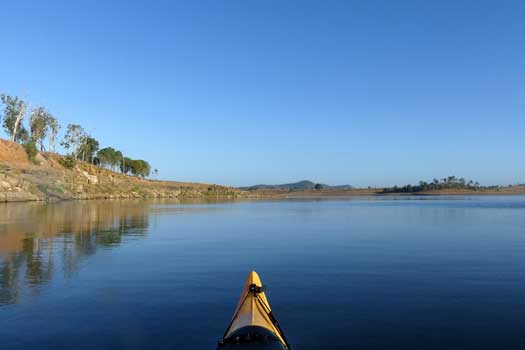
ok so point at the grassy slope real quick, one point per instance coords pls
(22, 180)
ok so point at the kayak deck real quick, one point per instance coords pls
(253, 321)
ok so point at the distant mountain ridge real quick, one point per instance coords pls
(297, 186)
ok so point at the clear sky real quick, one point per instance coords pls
(240, 92)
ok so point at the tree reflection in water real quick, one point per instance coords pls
(38, 240)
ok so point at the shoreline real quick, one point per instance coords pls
(248, 196)
(46, 179)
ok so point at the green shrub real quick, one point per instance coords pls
(68, 162)
(31, 151)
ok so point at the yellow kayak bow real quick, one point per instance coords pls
(253, 325)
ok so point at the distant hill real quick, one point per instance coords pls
(296, 186)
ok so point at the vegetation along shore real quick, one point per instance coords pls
(30, 169)
(445, 186)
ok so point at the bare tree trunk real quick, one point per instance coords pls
(18, 119)
(51, 143)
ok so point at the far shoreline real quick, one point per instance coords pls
(47, 178)
(378, 192)
(267, 196)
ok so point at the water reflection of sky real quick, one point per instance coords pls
(41, 240)
(417, 272)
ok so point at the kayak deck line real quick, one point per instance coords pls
(253, 320)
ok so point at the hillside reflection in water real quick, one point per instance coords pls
(41, 241)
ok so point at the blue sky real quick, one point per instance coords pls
(243, 92)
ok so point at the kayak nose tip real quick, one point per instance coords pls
(254, 278)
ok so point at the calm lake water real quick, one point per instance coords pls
(358, 273)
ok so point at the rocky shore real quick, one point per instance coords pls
(46, 179)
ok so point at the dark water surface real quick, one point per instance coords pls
(361, 273)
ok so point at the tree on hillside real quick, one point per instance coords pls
(125, 165)
(119, 160)
(136, 167)
(53, 126)
(13, 114)
(88, 149)
(73, 139)
(141, 168)
(42, 124)
(108, 157)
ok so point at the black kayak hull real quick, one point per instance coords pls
(252, 338)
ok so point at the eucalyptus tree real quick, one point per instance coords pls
(109, 157)
(106, 155)
(137, 167)
(38, 126)
(13, 115)
(88, 149)
(53, 127)
(74, 138)
(141, 168)
(43, 124)
(119, 161)
(126, 165)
